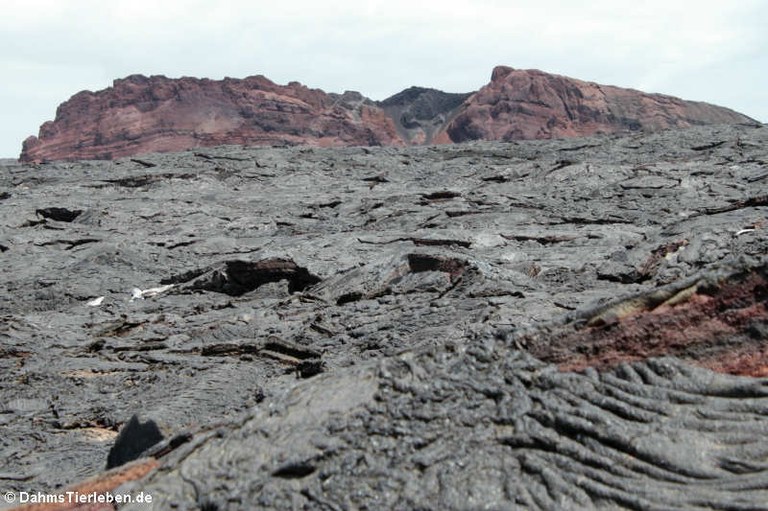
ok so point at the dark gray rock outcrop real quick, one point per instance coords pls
(420, 114)
(350, 328)
(486, 427)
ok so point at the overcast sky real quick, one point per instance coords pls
(714, 51)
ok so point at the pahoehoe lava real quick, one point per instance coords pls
(564, 324)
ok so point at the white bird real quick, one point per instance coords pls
(156, 290)
(138, 294)
(95, 302)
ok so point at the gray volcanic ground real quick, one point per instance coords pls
(351, 328)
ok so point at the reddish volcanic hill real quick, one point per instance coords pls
(531, 104)
(158, 114)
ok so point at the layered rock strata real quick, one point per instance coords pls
(531, 104)
(142, 115)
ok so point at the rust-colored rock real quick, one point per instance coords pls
(531, 104)
(157, 114)
(719, 322)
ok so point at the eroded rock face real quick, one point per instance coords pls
(531, 104)
(560, 324)
(156, 114)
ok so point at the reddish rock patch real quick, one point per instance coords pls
(719, 323)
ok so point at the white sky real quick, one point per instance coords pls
(707, 50)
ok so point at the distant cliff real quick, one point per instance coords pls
(530, 104)
(157, 114)
(141, 114)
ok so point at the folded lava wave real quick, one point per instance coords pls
(141, 114)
